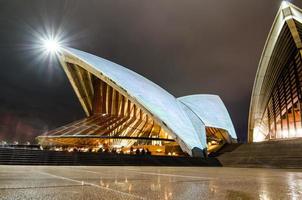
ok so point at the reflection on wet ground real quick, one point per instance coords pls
(56, 182)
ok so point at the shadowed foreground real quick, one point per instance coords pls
(104, 182)
(10, 156)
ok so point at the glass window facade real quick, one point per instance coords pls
(282, 116)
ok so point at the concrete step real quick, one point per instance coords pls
(276, 154)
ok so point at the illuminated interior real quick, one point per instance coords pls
(216, 138)
(115, 122)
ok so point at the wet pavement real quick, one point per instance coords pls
(64, 182)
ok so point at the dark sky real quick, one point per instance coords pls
(187, 47)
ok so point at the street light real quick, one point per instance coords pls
(51, 45)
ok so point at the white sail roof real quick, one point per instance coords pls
(168, 110)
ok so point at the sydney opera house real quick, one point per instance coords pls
(125, 110)
(276, 103)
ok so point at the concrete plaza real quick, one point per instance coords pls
(106, 182)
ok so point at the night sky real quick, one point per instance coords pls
(186, 47)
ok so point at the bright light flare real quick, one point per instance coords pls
(51, 45)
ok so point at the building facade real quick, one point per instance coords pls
(275, 109)
(126, 110)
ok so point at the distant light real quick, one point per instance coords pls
(51, 45)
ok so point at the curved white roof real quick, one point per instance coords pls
(211, 110)
(165, 108)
